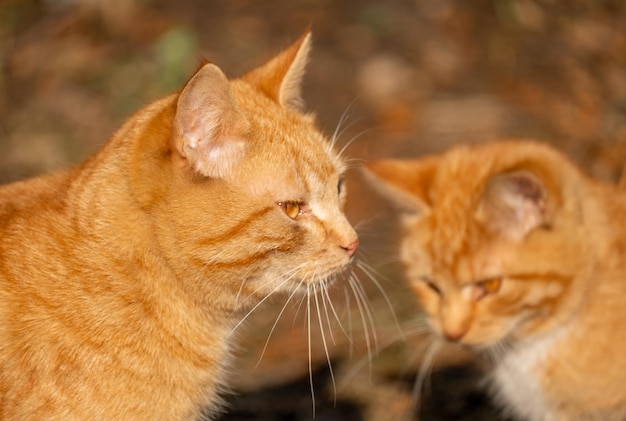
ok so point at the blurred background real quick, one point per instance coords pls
(399, 78)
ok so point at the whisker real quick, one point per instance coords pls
(330, 367)
(289, 275)
(366, 270)
(358, 365)
(308, 312)
(243, 282)
(421, 330)
(349, 309)
(295, 317)
(360, 225)
(323, 293)
(332, 309)
(339, 131)
(355, 137)
(276, 323)
(344, 116)
(363, 320)
(425, 369)
(368, 308)
(258, 304)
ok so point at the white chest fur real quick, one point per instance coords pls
(515, 382)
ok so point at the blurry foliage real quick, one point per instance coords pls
(176, 52)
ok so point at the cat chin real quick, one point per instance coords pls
(481, 347)
(303, 284)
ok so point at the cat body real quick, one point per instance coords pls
(122, 279)
(516, 254)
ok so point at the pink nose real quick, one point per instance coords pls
(351, 248)
(454, 336)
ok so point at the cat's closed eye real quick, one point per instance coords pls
(430, 284)
(292, 208)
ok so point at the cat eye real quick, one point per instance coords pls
(291, 208)
(491, 285)
(486, 287)
(431, 284)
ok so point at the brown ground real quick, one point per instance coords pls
(411, 77)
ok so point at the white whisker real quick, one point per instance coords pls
(332, 309)
(295, 316)
(349, 309)
(330, 367)
(425, 369)
(358, 365)
(276, 323)
(363, 320)
(366, 269)
(258, 304)
(287, 276)
(349, 142)
(339, 130)
(359, 226)
(368, 308)
(324, 293)
(308, 312)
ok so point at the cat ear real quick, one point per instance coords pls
(209, 128)
(281, 78)
(513, 204)
(404, 182)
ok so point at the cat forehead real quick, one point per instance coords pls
(449, 244)
(289, 157)
(298, 176)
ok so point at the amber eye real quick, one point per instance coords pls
(291, 209)
(492, 285)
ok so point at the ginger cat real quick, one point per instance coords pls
(122, 279)
(513, 252)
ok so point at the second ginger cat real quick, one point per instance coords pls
(513, 251)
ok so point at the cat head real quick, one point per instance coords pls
(494, 240)
(254, 190)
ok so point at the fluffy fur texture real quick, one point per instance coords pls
(515, 253)
(121, 279)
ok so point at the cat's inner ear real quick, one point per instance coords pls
(404, 182)
(514, 204)
(281, 78)
(209, 128)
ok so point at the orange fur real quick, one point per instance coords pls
(513, 251)
(122, 279)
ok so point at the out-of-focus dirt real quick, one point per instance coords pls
(399, 78)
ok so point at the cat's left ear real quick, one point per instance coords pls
(281, 78)
(209, 128)
(515, 203)
(404, 182)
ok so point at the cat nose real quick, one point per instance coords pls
(454, 335)
(351, 247)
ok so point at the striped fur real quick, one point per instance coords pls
(122, 279)
(551, 242)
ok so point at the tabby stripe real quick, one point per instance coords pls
(516, 302)
(541, 276)
(311, 168)
(236, 230)
(243, 261)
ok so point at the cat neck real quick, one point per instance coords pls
(115, 200)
